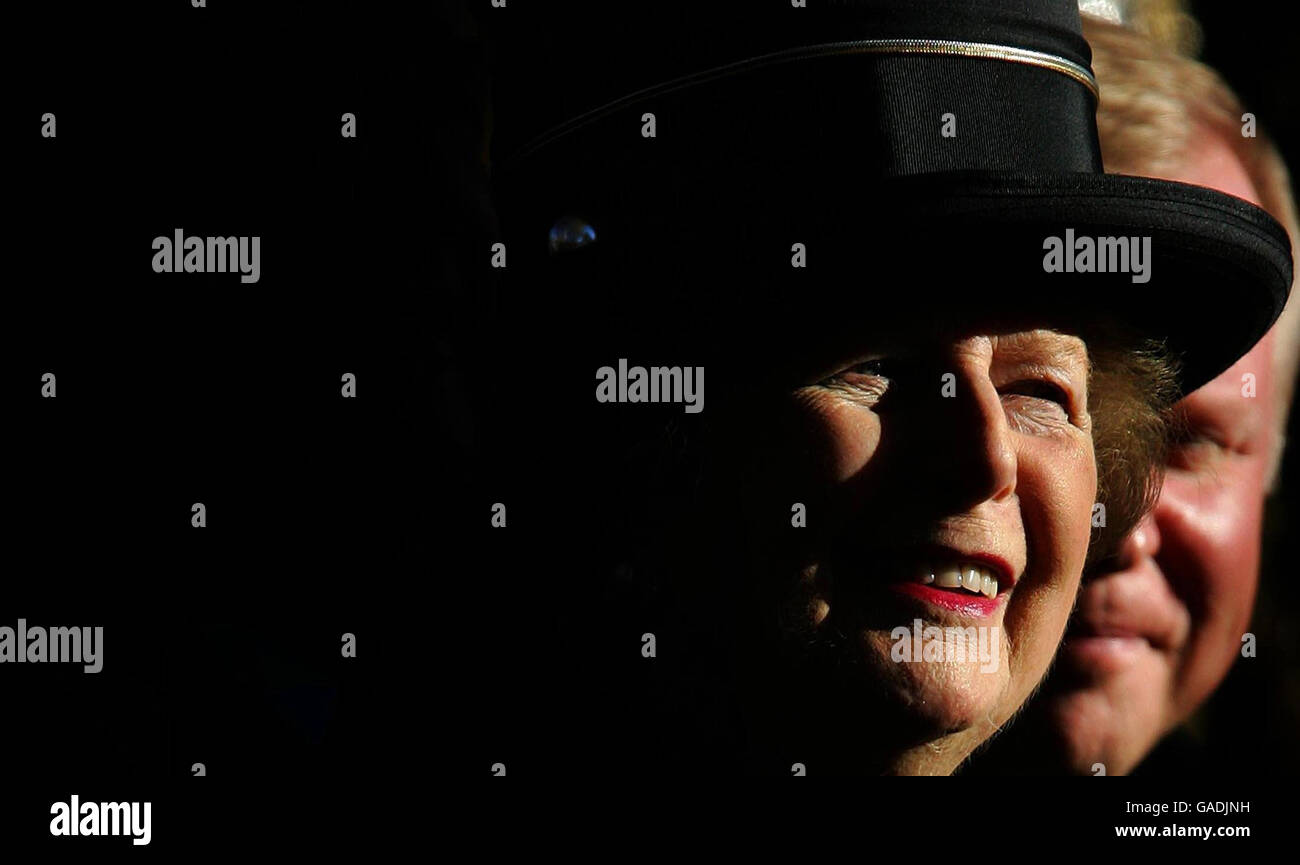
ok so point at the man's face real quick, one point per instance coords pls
(1150, 641)
(916, 464)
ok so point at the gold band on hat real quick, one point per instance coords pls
(985, 50)
(1078, 72)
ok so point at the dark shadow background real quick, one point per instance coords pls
(221, 646)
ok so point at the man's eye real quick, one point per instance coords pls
(1193, 450)
(1192, 434)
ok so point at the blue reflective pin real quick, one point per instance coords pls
(569, 233)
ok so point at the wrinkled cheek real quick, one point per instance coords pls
(1073, 516)
(1088, 507)
(1059, 514)
(848, 438)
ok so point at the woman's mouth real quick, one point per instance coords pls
(967, 576)
(972, 584)
(969, 587)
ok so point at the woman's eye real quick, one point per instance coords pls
(1037, 406)
(864, 382)
(876, 366)
(866, 371)
(1040, 389)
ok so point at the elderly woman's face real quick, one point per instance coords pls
(948, 484)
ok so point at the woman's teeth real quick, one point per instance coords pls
(972, 578)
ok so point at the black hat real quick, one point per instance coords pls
(927, 155)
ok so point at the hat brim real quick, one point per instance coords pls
(1218, 276)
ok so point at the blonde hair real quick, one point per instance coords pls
(1166, 23)
(1153, 98)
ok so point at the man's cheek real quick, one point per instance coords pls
(1209, 550)
(1232, 547)
(1210, 519)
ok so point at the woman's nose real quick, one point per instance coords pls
(973, 447)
